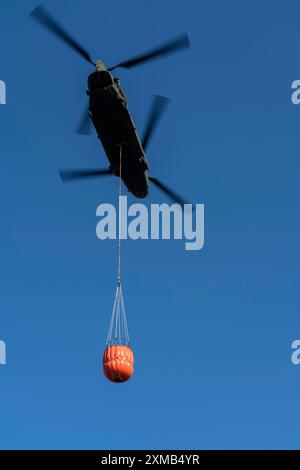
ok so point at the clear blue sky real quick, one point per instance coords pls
(212, 329)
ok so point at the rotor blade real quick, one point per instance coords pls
(172, 194)
(72, 175)
(43, 17)
(84, 126)
(158, 106)
(176, 44)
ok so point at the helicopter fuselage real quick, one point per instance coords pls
(117, 133)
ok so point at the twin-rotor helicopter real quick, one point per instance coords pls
(108, 111)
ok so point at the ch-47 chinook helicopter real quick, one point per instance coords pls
(110, 116)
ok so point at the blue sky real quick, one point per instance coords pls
(211, 330)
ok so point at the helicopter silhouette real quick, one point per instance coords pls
(108, 112)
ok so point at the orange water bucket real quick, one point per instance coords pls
(118, 362)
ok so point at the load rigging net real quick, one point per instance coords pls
(118, 358)
(118, 329)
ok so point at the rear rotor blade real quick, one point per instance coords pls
(181, 42)
(43, 17)
(84, 126)
(158, 106)
(72, 175)
(172, 194)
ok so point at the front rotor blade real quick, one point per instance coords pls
(43, 17)
(72, 175)
(158, 106)
(181, 42)
(172, 194)
(84, 126)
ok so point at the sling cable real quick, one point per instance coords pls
(118, 358)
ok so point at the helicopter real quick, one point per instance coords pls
(108, 112)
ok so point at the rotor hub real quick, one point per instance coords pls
(100, 67)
